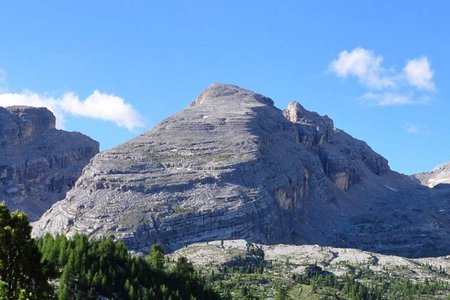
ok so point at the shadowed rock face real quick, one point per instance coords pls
(38, 163)
(232, 165)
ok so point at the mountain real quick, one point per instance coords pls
(438, 176)
(38, 163)
(233, 166)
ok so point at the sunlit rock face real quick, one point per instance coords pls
(38, 163)
(233, 166)
(438, 176)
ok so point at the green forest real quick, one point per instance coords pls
(76, 268)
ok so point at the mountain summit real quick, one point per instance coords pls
(231, 166)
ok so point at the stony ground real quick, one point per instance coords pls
(283, 261)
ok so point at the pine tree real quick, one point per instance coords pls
(156, 257)
(20, 259)
(184, 268)
(3, 290)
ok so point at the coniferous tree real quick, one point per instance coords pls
(156, 257)
(3, 290)
(20, 259)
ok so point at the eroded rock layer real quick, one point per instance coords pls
(231, 166)
(38, 163)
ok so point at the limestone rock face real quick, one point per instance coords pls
(292, 259)
(438, 176)
(343, 158)
(231, 166)
(38, 163)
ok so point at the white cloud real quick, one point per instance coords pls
(386, 86)
(393, 99)
(386, 99)
(413, 128)
(104, 107)
(97, 106)
(419, 74)
(365, 66)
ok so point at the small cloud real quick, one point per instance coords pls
(412, 128)
(97, 106)
(419, 74)
(386, 99)
(393, 99)
(386, 86)
(364, 65)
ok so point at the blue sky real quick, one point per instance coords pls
(114, 69)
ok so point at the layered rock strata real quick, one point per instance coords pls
(38, 163)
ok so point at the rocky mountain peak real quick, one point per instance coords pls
(38, 163)
(296, 113)
(233, 166)
(439, 176)
(442, 168)
(20, 123)
(217, 92)
(39, 117)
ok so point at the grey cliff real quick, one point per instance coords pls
(233, 166)
(38, 163)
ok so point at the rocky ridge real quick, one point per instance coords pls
(438, 176)
(38, 163)
(233, 166)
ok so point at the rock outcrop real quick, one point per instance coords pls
(38, 163)
(231, 166)
(438, 176)
(287, 260)
(289, 265)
